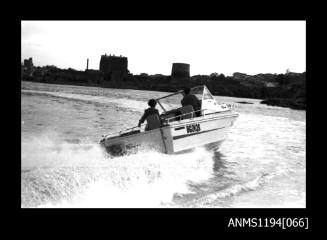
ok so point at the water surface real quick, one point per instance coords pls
(261, 164)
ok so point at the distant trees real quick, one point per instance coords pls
(213, 75)
(217, 77)
(283, 79)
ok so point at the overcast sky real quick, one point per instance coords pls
(152, 46)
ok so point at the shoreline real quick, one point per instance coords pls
(292, 103)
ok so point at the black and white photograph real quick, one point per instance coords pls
(163, 114)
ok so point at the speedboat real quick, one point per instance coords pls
(178, 128)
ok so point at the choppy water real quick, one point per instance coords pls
(261, 164)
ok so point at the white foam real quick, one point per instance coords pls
(81, 175)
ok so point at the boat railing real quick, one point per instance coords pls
(180, 117)
(231, 106)
(193, 114)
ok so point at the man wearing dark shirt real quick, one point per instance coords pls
(190, 99)
(150, 111)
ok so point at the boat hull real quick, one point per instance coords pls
(178, 136)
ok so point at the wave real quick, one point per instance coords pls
(56, 173)
(235, 189)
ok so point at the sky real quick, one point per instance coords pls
(151, 47)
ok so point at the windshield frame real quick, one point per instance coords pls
(179, 92)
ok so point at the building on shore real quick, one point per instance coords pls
(113, 67)
(28, 66)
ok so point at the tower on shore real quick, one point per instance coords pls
(180, 70)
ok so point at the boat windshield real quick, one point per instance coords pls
(173, 101)
(197, 91)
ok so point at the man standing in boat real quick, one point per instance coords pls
(190, 99)
(150, 111)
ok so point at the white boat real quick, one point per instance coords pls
(179, 128)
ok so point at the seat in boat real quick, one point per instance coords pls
(153, 122)
(187, 109)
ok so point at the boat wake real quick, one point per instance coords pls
(233, 189)
(58, 173)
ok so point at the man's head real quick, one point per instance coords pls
(152, 103)
(187, 90)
